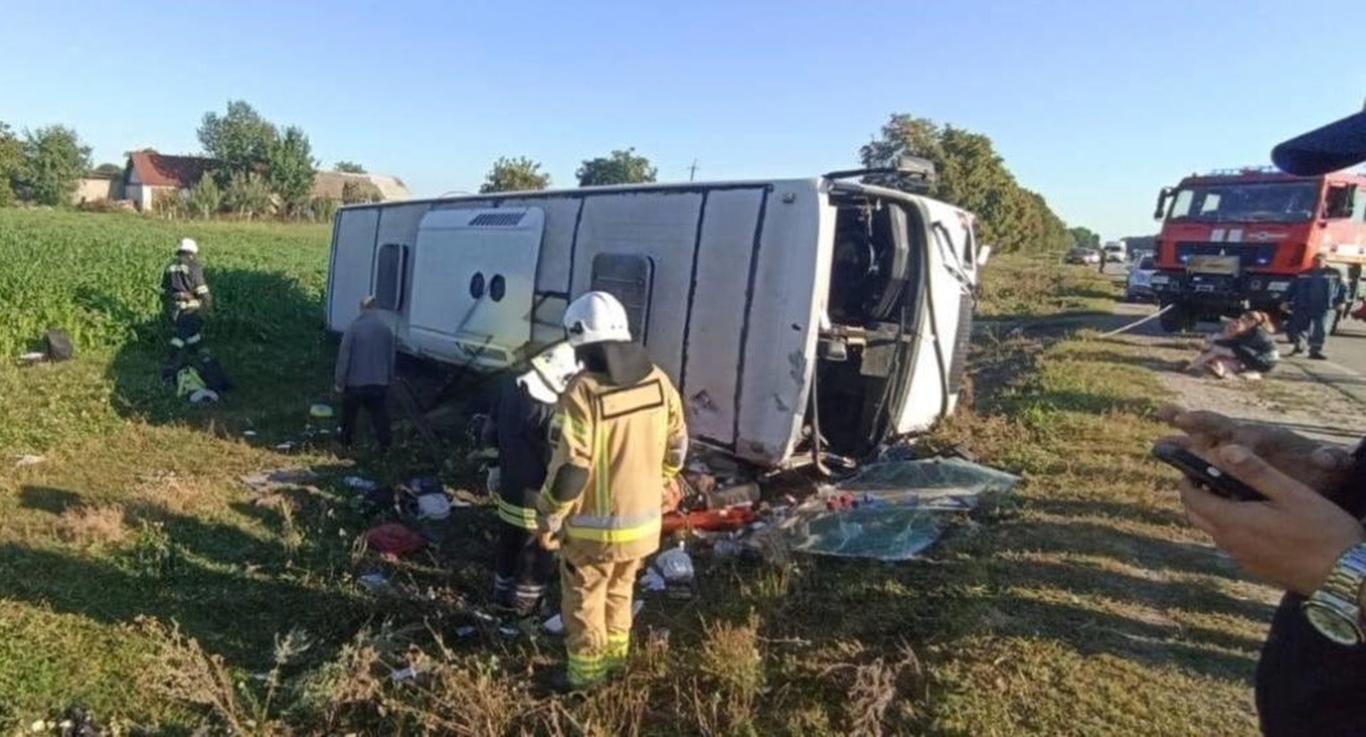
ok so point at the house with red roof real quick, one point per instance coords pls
(149, 173)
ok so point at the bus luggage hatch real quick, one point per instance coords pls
(474, 278)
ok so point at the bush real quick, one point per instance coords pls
(168, 203)
(248, 195)
(205, 197)
(360, 191)
(324, 208)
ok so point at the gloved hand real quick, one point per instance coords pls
(549, 531)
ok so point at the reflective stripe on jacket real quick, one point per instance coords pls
(628, 439)
(183, 283)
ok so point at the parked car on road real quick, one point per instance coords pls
(1139, 286)
(1082, 256)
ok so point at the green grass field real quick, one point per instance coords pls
(139, 578)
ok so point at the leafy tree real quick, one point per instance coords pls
(108, 169)
(348, 167)
(290, 169)
(512, 175)
(205, 197)
(1084, 237)
(906, 135)
(619, 167)
(247, 194)
(11, 163)
(360, 191)
(972, 175)
(240, 139)
(54, 161)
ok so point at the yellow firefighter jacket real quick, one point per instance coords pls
(629, 439)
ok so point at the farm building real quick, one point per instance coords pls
(331, 184)
(96, 186)
(149, 172)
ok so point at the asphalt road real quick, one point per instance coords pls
(1345, 369)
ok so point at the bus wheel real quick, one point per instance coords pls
(1175, 319)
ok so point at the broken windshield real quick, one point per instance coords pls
(1281, 202)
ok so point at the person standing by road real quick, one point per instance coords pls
(621, 437)
(1312, 302)
(185, 294)
(365, 368)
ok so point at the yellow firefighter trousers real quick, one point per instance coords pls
(596, 607)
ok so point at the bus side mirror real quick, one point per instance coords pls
(1161, 208)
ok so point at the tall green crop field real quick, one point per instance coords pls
(98, 276)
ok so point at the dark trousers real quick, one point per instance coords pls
(521, 570)
(187, 335)
(375, 400)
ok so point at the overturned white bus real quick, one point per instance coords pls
(793, 315)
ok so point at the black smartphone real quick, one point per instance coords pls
(1206, 474)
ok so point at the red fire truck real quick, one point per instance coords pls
(1234, 240)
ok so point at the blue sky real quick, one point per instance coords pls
(1095, 105)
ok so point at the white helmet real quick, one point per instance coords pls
(596, 317)
(550, 373)
(187, 245)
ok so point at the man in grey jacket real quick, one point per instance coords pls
(365, 368)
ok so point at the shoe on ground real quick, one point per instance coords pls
(560, 684)
(1295, 351)
(1317, 356)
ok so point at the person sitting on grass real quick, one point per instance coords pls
(1244, 348)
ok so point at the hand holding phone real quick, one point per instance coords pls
(1205, 474)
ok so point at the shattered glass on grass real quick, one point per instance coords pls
(903, 508)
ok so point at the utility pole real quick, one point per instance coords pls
(692, 171)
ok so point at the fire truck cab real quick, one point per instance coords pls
(1235, 240)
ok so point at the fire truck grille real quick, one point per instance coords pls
(1249, 256)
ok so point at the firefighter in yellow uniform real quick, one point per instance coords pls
(619, 436)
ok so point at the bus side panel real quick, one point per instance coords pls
(662, 226)
(398, 224)
(791, 280)
(353, 253)
(712, 351)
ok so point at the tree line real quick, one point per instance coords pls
(969, 174)
(42, 166)
(267, 169)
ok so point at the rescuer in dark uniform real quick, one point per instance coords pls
(185, 295)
